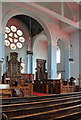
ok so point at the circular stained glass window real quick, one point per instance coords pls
(13, 28)
(7, 43)
(11, 40)
(13, 46)
(19, 45)
(21, 39)
(14, 37)
(19, 32)
(15, 40)
(7, 29)
(11, 34)
(5, 35)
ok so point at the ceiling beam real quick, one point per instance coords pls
(54, 14)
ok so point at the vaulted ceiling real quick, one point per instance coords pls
(33, 26)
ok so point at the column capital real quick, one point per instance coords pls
(29, 52)
(1, 60)
(52, 44)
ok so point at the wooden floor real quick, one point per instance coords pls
(51, 107)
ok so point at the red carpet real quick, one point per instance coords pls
(39, 94)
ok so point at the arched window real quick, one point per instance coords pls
(14, 37)
(58, 54)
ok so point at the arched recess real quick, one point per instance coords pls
(41, 36)
(19, 11)
(28, 12)
(14, 39)
(40, 46)
(64, 67)
(60, 59)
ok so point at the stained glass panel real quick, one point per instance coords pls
(15, 40)
(19, 32)
(21, 39)
(13, 46)
(22, 67)
(11, 40)
(7, 29)
(5, 35)
(7, 43)
(11, 34)
(15, 35)
(19, 45)
(13, 28)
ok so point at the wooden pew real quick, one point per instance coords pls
(6, 93)
(47, 86)
(39, 103)
(61, 106)
(5, 90)
(36, 109)
(50, 86)
(41, 107)
(66, 87)
(15, 100)
(20, 91)
(45, 115)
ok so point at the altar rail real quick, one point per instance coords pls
(56, 86)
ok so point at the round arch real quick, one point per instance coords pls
(66, 52)
(36, 39)
(18, 11)
(66, 42)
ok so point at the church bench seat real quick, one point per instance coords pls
(48, 109)
(71, 116)
(36, 109)
(40, 103)
(15, 100)
(48, 114)
(6, 92)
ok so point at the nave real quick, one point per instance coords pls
(48, 107)
(40, 60)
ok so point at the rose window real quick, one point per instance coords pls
(14, 38)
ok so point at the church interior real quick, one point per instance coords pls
(40, 60)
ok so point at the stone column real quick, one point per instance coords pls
(1, 71)
(34, 65)
(67, 64)
(52, 65)
(29, 62)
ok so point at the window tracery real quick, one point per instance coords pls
(14, 37)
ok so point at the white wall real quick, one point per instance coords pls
(42, 50)
(74, 68)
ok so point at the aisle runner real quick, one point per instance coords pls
(39, 94)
